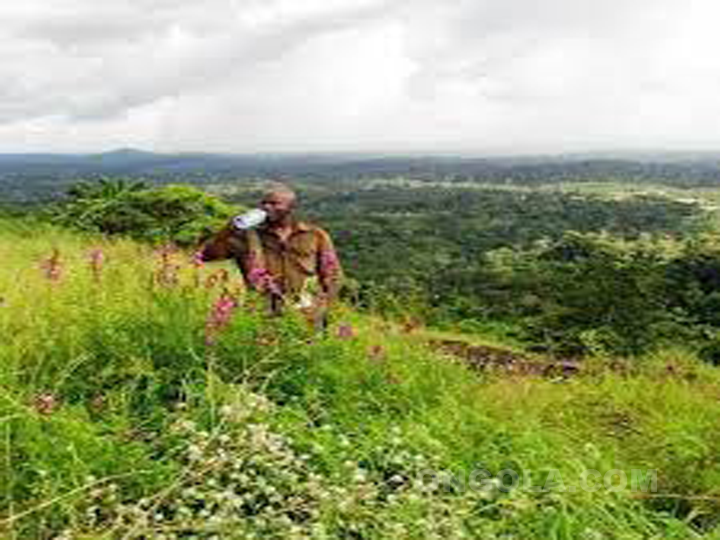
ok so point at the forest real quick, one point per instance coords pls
(564, 268)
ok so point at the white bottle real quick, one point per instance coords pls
(250, 219)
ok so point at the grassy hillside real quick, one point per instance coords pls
(142, 396)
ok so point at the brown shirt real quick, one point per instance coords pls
(271, 264)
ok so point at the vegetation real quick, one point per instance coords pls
(143, 396)
(172, 213)
(509, 362)
(567, 273)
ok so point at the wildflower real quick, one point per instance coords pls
(410, 325)
(224, 438)
(194, 452)
(167, 272)
(345, 331)
(98, 402)
(376, 353)
(96, 259)
(262, 280)
(45, 403)
(266, 340)
(221, 276)
(52, 266)
(185, 425)
(227, 411)
(397, 479)
(360, 476)
(219, 317)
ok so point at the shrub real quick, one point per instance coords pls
(173, 213)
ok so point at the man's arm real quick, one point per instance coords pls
(328, 266)
(230, 243)
(223, 245)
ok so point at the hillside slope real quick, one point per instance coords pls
(143, 396)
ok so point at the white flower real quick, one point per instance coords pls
(360, 476)
(194, 452)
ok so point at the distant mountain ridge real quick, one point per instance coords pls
(677, 168)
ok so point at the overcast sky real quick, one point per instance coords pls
(378, 75)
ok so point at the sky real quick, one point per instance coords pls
(440, 76)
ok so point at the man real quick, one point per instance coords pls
(279, 256)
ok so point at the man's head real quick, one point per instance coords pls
(279, 202)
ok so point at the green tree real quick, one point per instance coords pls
(173, 213)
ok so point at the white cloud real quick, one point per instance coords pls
(244, 75)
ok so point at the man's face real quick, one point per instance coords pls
(278, 205)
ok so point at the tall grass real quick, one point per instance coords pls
(133, 406)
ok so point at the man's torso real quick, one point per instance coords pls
(291, 259)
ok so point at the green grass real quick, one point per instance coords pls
(118, 420)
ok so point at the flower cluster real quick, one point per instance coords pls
(219, 317)
(245, 479)
(262, 280)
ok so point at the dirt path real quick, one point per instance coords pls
(494, 359)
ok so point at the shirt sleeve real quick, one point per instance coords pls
(226, 244)
(329, 270)
(245, 248)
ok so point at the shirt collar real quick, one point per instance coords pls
(296, 225)
(301, 226)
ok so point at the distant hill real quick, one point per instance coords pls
(697, 166)
(24, 176)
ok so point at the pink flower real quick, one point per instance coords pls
(97, 260)
(262, 280)
(52, 266)
(219, 317)
(345, 331)
(198, 261)
(46, 403)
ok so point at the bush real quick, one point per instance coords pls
(173, 213)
